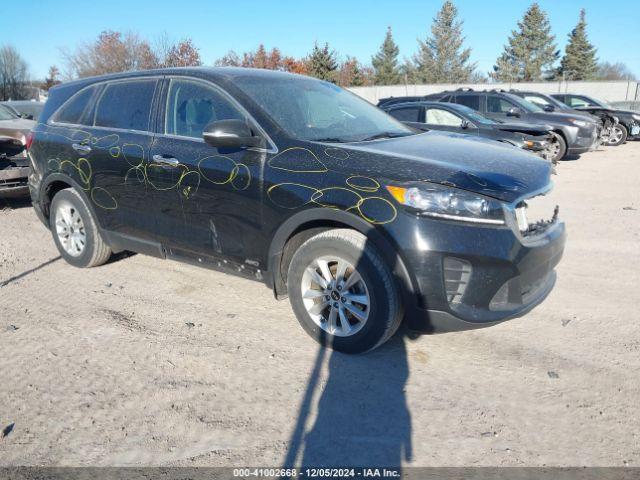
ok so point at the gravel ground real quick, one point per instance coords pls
(151, 362)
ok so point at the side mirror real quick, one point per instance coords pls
(230, 134)
(513, 112)
(465, 124)
(549, 108)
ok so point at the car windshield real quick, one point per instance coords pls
(475, 116)
(526, 104)
(6, 114)
(314, 110)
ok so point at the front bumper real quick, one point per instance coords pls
(504, 275)
(586, 140)
(634, 131)
(13, 181)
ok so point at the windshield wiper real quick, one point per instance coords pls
(385, 135)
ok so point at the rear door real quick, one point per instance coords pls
(118, 156)
(207, 200)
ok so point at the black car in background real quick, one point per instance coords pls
(456, 118)
(25, 108)
(628, 121)
(327, 199)
(575, 134)
(549, 104)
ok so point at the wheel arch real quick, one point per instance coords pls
(301, 226)
(59, 181)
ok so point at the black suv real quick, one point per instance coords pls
(304, 186)
(628, 126)
(575, 133)
(451, 117)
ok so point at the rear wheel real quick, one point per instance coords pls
(342, 291)
(618, 135)
(75, 231)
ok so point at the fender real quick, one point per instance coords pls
(315, 217)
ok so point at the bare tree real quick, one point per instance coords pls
(613, 71)
(14, 75)
(111, 52)
(53, 78)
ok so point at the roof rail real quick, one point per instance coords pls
(464, 89)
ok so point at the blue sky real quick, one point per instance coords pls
(351, 27)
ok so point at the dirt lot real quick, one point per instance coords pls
(150, 362)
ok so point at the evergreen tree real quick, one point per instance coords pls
(441, 58)
(322, 63)
(530, 52)
(385, 62)
(579, 61)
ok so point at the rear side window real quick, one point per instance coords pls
(191, 106)
(76, 110)
(406, 114)
(126, 105)
(471, 101)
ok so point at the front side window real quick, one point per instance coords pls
(540, 101)
(496, 104)
(406, 114)
(76, 110)
(126, 105)
(313, 110)
(191, 106)
(437, 116)
(471, 101)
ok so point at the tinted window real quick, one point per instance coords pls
(498, 105)
(191, 106)
(126, 105)
(437, 116)
(76, 110)
(471, 101)
(406, 114)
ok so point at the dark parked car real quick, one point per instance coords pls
(628, 126)
(575, 133)
(25, 108)
(14, 164)
(452, 117)
(360, 221)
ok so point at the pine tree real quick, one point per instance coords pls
(579, 61)
(322, 63)
(441, 58)
(530, 52)
(385, 62)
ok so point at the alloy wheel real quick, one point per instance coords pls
(335, 296)
(70, 229)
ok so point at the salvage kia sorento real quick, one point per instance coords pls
(361, 221)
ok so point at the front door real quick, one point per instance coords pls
(206, 199)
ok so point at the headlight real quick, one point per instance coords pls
(449, 203)
(636, 117)
(578, 123)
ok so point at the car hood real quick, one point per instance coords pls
(524, 127)
(566, 116)
(470, 163)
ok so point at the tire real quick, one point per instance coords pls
(619, 135)
(561, 150)
(79, 242)
(349, 250)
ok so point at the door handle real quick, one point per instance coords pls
(78, 147)
(169, 161)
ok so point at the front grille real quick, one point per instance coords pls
(534, 215)
(456, 278)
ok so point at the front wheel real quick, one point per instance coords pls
(342, 292)
(618, 135)
(558, 147)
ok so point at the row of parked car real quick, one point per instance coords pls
(552, 126)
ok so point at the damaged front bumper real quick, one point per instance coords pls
(13, 181)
